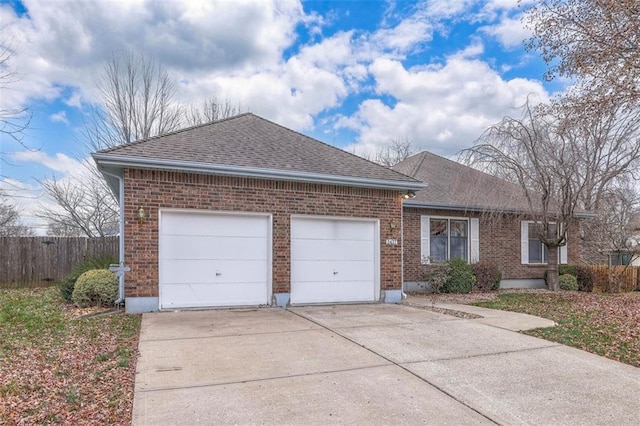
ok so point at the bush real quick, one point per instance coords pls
(562, 270)
(69, 282)
(585, 277)
(568, 282)
(487, 275)
(97, 287)
(460, 278)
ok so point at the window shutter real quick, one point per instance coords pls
(563, 252)
(524, 242)
(474, 232)
(425, 233)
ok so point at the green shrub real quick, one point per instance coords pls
(437, 276)
(460, 278)
(568, 269)
(568, 282)
(488, 276)
(69, 282)
(564, 269)
(585, 277)
(97, 287)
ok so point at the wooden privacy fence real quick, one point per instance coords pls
(615, 278)
(40, 260)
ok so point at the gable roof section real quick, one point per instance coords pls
(454, 186)
(248, 145)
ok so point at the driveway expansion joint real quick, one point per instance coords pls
(264, 379)
(401, 367)
(555, 345)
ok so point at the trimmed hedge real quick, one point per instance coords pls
(69, 283)
(585, 277)
(97, 287)
(568, 282)
(488, 277)
(460, 279)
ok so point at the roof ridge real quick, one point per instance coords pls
(177, 131)
(423, 155)
(331, 146)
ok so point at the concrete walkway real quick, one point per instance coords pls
(502, 319)
(368, 364)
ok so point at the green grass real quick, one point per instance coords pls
(606, 325)
(60, 367)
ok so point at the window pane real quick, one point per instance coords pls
(535, 251)
(438, 240)
(459, 241)
(459, 247)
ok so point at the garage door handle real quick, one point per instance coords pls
(335, 272)
(218, 274)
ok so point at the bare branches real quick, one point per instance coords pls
(10, 223)
(396, 151)
(595, 41)
(85, 206)
(212, 109)
(13, 121)
(137, 102)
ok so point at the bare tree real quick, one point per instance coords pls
(85, 206)
(13, 121)
(136, 102)
(391, 154)
(212, 109)
(596, 42)
(10, 223)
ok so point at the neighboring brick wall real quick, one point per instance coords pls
(499, 244)
(163, 189)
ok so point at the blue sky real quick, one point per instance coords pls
(355, 74)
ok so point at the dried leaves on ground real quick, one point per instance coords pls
(59, 366)
(604, 324)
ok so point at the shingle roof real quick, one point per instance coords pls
(251, 142)
(454, 185)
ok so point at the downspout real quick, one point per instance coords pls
(404, 295)
(121, 239)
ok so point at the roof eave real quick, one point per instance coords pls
(119, 161)
(480, 209)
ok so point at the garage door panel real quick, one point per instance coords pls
(205, 270)
(332, 230)
(327, 292)
(333, 260)
(213, 259)
(333, 271)
(331, 250)
(196, 224)
(207, 247)
(190, 295)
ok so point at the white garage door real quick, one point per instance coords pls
(213, 259)
(334, 260)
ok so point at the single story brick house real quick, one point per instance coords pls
(243, 211)
(473, 215)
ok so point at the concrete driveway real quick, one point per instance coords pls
(367, 364)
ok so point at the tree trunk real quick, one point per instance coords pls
(553, 279)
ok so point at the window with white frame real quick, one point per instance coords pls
(533, 250)
(444, 238)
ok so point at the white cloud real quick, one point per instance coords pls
(510, 32)
(59, 117)
(63, 43)
(440, 108)
(58, 163)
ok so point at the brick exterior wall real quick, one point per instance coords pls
(499, 244)
(163, 189)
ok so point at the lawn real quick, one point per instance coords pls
(60, 367)
(604, 324)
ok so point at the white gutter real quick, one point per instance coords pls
(121, 239)
(222, 169)
(423, 205)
